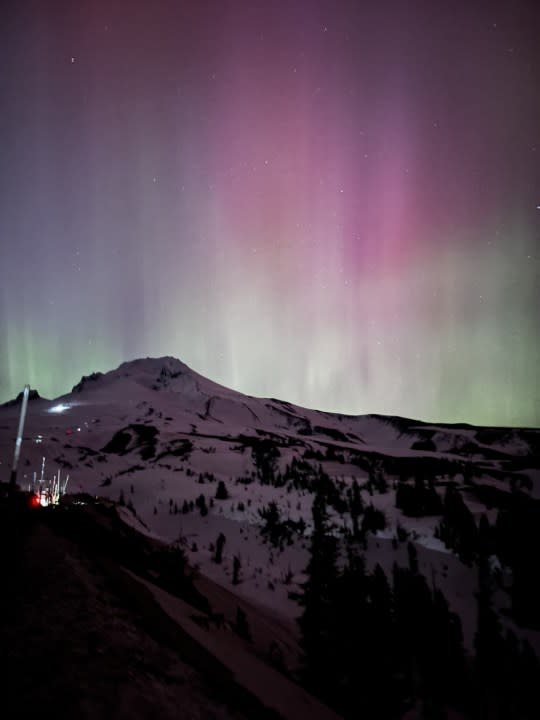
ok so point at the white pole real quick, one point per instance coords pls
(18, 441)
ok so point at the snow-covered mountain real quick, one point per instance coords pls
(188, 458)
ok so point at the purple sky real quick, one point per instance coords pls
(331, 202)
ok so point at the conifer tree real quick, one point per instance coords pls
(356, 507)
(236, 570)
(220, 542)
(413, 558)
(317, 622)
(221, 491)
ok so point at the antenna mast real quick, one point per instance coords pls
(18, 441)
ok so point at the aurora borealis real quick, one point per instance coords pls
(334, 202)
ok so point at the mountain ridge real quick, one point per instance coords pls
(236, 480)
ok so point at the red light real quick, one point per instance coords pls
(35, 501)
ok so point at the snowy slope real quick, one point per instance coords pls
(155, 435)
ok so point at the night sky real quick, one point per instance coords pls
(334, 202)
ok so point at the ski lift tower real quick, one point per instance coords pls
(18, 441)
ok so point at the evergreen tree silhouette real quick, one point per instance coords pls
(220, 542)
(236, 570)
(356, 507)
(221, 491)
(317, 622)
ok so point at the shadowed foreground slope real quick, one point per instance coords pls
(85, 637)
(74, 646)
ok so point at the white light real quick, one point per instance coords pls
(59, 408)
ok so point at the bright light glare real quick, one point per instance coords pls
(59, 408)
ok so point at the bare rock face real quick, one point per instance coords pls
(86, 380)
(33, 395)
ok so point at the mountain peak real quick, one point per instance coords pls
(32, 395)
(167, 365)
(161, 370)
